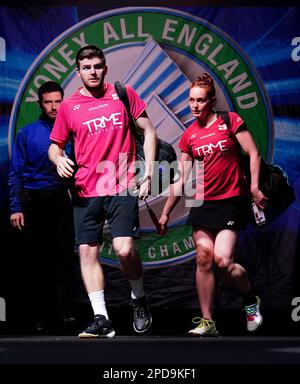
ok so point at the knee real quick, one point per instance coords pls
(88, 255)
(124, 252)
(224, 264)
(204, 259)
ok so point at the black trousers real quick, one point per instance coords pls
(48, 270)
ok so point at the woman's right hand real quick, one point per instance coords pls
(163, 221)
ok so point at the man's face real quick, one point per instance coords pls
(50, 104)
(92, 73)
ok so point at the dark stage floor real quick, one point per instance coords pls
(139, 359)
(149, 350)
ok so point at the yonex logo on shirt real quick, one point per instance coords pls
(76, 107)
(222, 127)
(115, 96)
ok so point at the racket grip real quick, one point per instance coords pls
(155, 221)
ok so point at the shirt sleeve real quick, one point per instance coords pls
(60, 130)
(137, 105)
(236, 122)
(184, 144)
(17, 167)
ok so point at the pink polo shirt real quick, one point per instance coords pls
(221, 176)
(102, 136)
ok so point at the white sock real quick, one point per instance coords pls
(137, 289)
(98, 303)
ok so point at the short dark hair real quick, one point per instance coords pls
(49, 86)
(89, 52)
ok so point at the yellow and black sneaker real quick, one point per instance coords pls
(205, 328)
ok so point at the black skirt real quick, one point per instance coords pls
(228, 213)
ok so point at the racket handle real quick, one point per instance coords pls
(155, 220)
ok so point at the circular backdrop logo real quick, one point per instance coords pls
(159, 52)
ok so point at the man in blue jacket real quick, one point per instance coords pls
(40, 207)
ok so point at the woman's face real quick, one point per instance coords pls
(200, 103)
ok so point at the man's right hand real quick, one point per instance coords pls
(17, 220)
(64, 166)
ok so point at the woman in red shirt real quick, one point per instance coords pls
(219, 210)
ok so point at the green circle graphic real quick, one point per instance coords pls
(193, 37)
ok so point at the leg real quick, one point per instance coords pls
(123, 220)
(40, 261)
(93, 279)
(224, 246)
(205, 281)
(132, 268)
(223, 255)
(130, 260)
(91, 269)
(69, 281)
(89, 219)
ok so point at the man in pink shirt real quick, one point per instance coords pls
(97, 120)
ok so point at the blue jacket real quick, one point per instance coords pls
(30, 166)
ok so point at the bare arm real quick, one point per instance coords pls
(64, 165)
(145, 124)
(176, 189)
(249, 147)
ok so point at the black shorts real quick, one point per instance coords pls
(228, 213)
(90, 213)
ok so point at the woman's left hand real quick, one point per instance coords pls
(260, 199)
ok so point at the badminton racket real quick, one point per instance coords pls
(154, 219)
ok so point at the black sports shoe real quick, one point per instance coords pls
(101, 327)
(141, 315)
